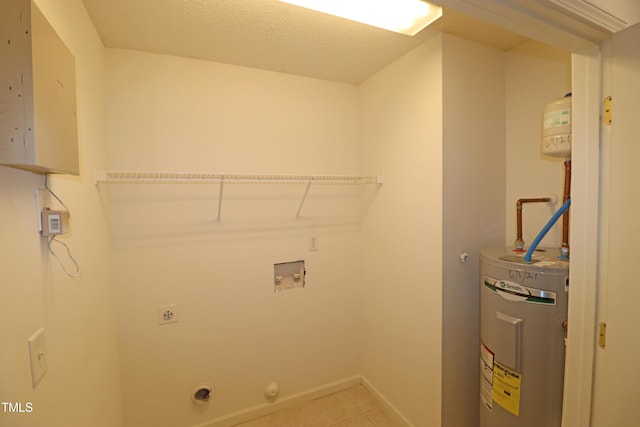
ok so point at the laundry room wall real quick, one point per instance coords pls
(380, 293)
(401, 284)
(82, 383)
(474, 182)
(171, 248)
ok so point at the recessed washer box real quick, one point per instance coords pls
(288, 275)
(38, 123)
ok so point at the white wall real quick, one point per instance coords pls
(168, 113)
(536, 75)
(474, 182)
(401, 281)
(81, 386)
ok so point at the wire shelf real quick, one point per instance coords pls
(138, 177)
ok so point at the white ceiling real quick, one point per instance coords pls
(271, 35)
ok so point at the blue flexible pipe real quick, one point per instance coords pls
(545, 230)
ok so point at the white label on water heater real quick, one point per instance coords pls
(557, 118)
(486, 376)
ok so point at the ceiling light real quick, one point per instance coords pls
(402, 16)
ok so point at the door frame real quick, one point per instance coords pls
(585, 222)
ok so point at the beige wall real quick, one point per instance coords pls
(401, 281)
(81, 386)
(474, 182)
(235, 333)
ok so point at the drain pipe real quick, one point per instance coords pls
(519, 242)
(564, 249)
(545, 229)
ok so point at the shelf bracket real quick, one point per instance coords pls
(304, 197)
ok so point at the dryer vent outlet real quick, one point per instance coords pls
(202, 393)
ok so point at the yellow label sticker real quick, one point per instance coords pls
(506, 388)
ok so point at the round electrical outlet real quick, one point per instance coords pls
(167, 314)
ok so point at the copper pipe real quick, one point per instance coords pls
(564, 250)
(519, 242)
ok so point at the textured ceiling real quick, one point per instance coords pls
(270, 35)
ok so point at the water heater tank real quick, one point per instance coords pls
(556, 128)
(523, 313)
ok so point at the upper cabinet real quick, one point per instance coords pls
(38, 124)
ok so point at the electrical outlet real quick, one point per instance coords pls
(168, 314)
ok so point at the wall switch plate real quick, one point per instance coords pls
(168, 314)
(313, 243)
(43, 201)
(37, 357)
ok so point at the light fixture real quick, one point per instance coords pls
(402, 16)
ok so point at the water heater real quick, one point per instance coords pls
(556, 128)
(523, 313)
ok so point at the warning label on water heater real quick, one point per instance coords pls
(506, 388)
(486, 376)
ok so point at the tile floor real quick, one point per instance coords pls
(354, 407)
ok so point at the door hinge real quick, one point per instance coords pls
(606, 108)
(602, 335)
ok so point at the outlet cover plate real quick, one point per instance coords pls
(168, 314)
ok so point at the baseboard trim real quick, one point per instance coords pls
(306, 396)
(284, 403)
(388, 407)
